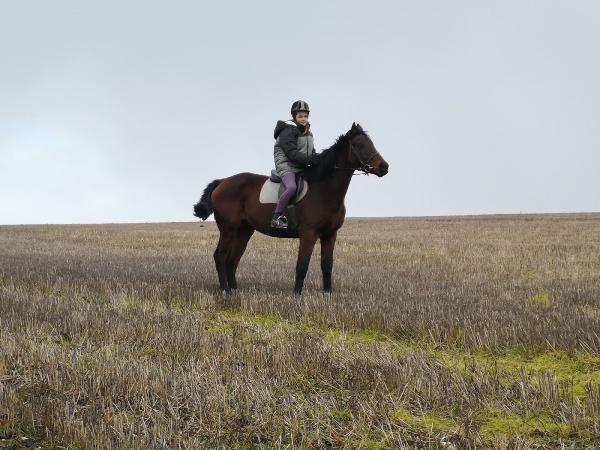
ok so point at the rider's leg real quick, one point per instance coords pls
(289, 182)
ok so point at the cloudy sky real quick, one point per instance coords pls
(123, 111)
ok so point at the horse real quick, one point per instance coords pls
(321, 213)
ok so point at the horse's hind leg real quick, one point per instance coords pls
(238, 247)
(220, 256)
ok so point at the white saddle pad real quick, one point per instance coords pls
(269, 191)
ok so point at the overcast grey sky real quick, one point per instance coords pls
(124, 111)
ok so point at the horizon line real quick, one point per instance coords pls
(456, 216)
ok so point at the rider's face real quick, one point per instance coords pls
(302, 118)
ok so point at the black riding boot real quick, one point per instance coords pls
(279, 221)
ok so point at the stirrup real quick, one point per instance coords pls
(279, 222)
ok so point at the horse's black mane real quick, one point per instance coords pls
(327, 162)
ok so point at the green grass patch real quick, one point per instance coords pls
(368, 442)
(578, 369)
(341, 414)
(219, 327)
(133, 301)
(265, 320)
(541, 298)
(427, 422)
(495, 422)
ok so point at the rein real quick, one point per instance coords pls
(364, 167)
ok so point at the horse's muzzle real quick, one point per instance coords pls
(381, 169)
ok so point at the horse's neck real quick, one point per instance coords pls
(336, 186)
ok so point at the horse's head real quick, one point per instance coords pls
(363, 154)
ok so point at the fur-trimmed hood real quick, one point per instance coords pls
(282, 124)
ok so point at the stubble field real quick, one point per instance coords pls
(464, 332)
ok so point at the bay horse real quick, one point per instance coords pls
(238, 212)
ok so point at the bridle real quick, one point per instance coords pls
(365, 168)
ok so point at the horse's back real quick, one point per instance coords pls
(248, 177)
(238, 184)
(233, 194)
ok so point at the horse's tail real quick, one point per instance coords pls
(204, 207)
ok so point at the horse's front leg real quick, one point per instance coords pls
(307, 243)
(327, 246)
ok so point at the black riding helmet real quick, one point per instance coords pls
(299, 106)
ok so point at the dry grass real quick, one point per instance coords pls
(442, 333)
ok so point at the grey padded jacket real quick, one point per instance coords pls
(293, 149)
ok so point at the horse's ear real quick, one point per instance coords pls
(353, 125)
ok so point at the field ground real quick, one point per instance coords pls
(449, 332)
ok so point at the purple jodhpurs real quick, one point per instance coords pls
(289, 182)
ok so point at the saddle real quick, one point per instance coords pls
(273, 188)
